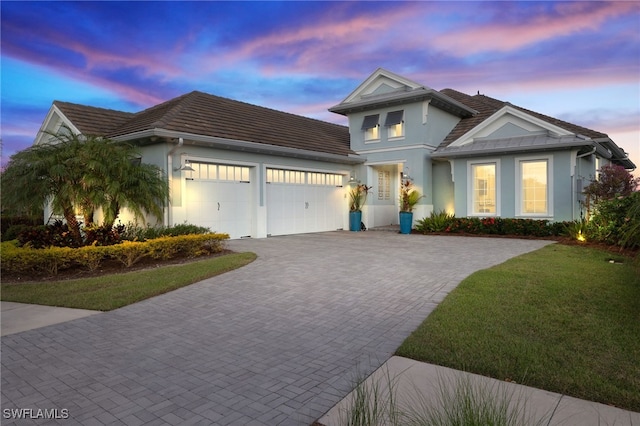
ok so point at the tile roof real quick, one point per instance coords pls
(208, 115)
(487, 106)
(91, 120)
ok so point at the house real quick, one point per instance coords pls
(254, 172)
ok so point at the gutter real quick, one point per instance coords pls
(253, 147)
(595, 148)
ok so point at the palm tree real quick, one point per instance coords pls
(45, 172)
(72, 171)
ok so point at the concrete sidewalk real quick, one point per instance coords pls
(17, 317)
(417, 383)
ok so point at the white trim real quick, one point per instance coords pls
(518, 195)
(486, 125)
(367, 86)
(484, 161)
(425, 111)
(56, 117)
(385, 163)
(396, 148)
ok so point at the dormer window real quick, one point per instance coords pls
(371, 127)
(395, 124)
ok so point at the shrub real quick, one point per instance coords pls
(91, 257)
(609, 219)
(132, 232)
(48, 261)
(577, 230)
(11, 225)
(56, 234)
(436, 222)
(630, 232)
(35, 261)
(442, 222)
(102, 235)
(129, 252)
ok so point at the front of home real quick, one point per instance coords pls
(255, 172)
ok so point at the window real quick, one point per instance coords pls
(483, 192)
(371, 127)
(534, 192)
(300, 177)
(207, 171)
(384, 185)
(395, 124)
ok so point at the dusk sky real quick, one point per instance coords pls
(577, 61)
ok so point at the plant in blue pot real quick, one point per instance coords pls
(357, 198)
(409, 197)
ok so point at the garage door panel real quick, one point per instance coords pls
(222, 206)
(296, 206)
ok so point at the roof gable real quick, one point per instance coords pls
(509, 116)
(381, 82)
(496, 113)
(384, 88)
(81, 119)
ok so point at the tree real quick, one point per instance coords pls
(613, 181)
(75, 172)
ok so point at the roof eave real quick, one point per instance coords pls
(437, 99)
(447, 154)
(238, 145)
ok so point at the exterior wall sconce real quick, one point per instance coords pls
(405, 174)
(353, 181)
(186, 167)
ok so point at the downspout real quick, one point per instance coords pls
(575, 178)
(167, 212)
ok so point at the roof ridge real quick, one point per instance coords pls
(58, 102)
(173, 106)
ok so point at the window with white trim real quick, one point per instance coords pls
(371, 127)
(535, 188)
(483, 189)
(395, 124)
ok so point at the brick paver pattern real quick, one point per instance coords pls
(278, 342)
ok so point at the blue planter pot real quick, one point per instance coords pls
(406, 222)
(355, 219)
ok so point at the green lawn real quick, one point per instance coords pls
(562, 318)
(114, 291)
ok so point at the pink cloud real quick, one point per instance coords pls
(317, 47)
(568, 19)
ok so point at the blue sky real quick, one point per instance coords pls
(577, 61)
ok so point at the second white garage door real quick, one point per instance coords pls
(302, 201)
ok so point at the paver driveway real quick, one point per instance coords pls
(276, 342)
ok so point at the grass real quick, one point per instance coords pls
(456, 400)
(109, 292)
(562, 318)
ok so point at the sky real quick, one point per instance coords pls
(576, 61)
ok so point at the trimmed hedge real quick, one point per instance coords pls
(441, 222)
(49, 261)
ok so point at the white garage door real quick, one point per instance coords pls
(299, 202)
(218, 196)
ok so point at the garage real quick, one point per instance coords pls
(303, 201)
(219, 197)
